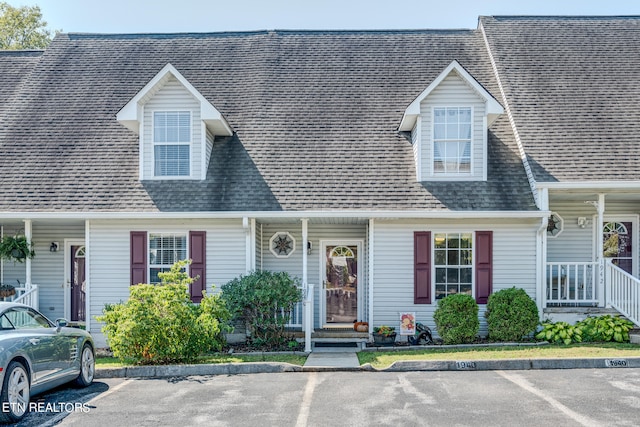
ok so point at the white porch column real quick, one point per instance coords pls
(307, 321)
(27, 234)
(603, 296)
(249, 226)
(370, 292)
(541, 253)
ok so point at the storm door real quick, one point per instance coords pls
(77, 283)
(340, 286)
(618, 244)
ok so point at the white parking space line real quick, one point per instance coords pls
(521, 382)
(110, 391)
(305, 404)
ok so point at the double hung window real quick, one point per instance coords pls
(452, 140)
(164, 251)
(453, 262)
(172, 143)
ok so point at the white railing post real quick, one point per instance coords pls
(308, 317)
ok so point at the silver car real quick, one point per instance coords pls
(37, 355)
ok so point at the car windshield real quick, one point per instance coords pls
(23, 318)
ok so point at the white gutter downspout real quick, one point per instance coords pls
(541, 254)
(28, 234)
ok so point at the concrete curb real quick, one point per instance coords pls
(511, 364)
(400, 366)
(204, 369)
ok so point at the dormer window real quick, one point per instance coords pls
(449, 123)
(172, 143)
(452, 140)
(176, 127)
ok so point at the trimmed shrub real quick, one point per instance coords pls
(159, 324)
(457, 319)
(264, 300)
(511, 314)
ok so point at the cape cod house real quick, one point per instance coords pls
(386, 169)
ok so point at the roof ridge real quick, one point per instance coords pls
(82, 35)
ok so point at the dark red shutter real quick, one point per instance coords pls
(484, 265)
(198, 254)
(138, 257)
(422, 267)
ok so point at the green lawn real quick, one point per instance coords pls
(382, 359)
(112, 362)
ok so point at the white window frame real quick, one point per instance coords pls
(155, 143)
(435, 233)
(458, 174)
(164, 267)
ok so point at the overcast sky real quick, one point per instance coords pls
(167, 16)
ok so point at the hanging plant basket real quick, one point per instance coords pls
(7, 291)
(16, 248)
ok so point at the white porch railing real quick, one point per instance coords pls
(302, 315)
(624, 292)
(572, 283)
(28, 295)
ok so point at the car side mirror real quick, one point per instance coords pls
(61, 323)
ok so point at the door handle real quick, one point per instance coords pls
(34, 341)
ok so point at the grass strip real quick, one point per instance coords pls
(383, 359)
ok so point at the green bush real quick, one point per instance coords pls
(263, 299)
(605, 328)
(159, 324)
(511, 314)
(457, 319)
(560, 332)
(592, 329)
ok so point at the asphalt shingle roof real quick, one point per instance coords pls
(315, 114)
(573, 84)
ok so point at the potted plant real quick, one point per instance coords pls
(7, 291)
(384, 335)
(16, 248)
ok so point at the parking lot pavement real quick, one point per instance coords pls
(50, 408)
(573, 397)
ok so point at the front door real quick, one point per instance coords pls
(341, 292)
(618, 244)
(77, 283)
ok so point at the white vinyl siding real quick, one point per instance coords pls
(316, 234)
(208, 150)
(514, 264)
(110, 264)
(452, 92)
(172, 97)
(415, 143)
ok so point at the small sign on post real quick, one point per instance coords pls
(407, 324)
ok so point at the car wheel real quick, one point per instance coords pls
(15, 393)
(87, 366)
